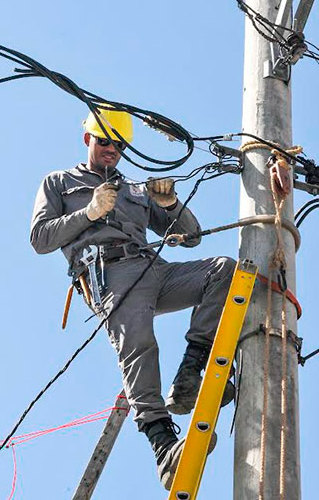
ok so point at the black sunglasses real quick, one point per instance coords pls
(106, 142)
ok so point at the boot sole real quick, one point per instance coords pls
(168, 477)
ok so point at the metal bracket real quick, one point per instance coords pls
(231, 168)
(276, 67)
(224, 151)
(283, 57)
(221, 151)
(311, 173)
(309, 188)
(275, 332)
(302, 14)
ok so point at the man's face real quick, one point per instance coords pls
(100, 156)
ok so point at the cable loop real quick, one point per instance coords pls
(251, 145)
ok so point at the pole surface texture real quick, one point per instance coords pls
(267, 114)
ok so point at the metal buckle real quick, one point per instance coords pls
(130, 250)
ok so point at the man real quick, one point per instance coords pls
(92, 206)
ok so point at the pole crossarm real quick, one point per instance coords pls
(302, 14)
(283, 14)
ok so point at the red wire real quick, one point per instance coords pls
(35, 434)
(14, 480)
(16, 440)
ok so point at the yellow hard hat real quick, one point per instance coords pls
(117, 120)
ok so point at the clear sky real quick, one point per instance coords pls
(184, 60)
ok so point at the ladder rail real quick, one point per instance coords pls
(192, 461)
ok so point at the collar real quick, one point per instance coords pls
(116, 176)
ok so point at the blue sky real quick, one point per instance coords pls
(181, 60)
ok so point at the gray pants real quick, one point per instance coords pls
(166, 287)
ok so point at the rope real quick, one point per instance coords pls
(279, 260)
(283, 433)
(276, 261)
(23, 438)
(264, 420)
(14, 480)
(251, 145)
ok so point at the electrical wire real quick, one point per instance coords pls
(256, 17)
(275, 35)
(177, 178)
(95, 102)
(272, 145)
(306, 213)
(306, 205)
(302, 359)
(300, 216)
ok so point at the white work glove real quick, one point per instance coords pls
(103, 201)
(161, 191)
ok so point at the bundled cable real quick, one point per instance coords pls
(305, 210)
(293, 45)
(270, 145)
(174, 131)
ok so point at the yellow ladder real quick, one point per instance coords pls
(192, 462)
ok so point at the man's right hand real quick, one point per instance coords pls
(103, 201)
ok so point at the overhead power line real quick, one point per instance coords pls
(272, 32)
(174, 131)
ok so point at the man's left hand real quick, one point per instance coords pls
(161, 191)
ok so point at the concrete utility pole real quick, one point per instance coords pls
(267, 114)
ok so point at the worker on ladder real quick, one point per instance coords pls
(99, 220)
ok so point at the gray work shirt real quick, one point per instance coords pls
(60, 221)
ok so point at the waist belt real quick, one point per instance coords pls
(124, 251)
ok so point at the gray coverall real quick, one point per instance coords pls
(60, 221)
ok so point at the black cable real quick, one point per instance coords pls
(255, 16)
(77, 352)
(94, 102)
(303, 359)
(193, 192)
(312, 56)
(311, 202)
(272, 145)
(210, 138)
(14, 77)
(312, 45)
(302, 218)
(180, 178)
(276, 36)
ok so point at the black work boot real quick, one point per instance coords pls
(183, 393)
(167, 448)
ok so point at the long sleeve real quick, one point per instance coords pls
(160, 219)
(50, 227)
